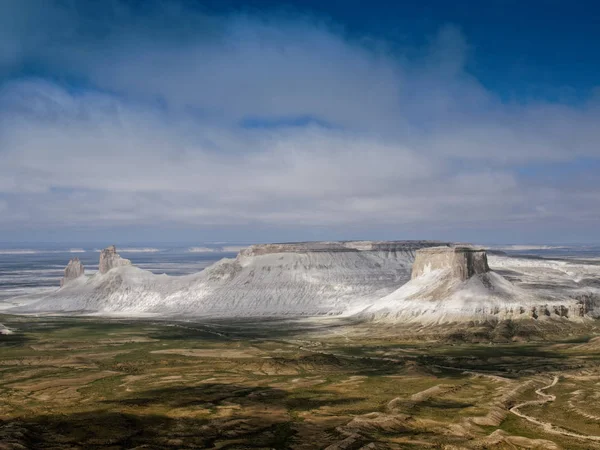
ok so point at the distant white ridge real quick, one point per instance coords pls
(140, 250)
(202, 250)
(224, 249)
(527, 247)
(27, 251)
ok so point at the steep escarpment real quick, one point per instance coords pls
(282, 280)
(461, 261)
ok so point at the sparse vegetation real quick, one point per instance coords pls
(74, 383)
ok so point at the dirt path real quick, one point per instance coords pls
(548, 427)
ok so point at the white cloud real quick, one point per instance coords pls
(153, 134)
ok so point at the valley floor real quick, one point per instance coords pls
(82, 383)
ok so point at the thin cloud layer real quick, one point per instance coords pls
(245, 120)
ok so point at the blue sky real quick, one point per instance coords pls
(178, 121)
(521, 50)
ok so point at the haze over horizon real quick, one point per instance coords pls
(257, 121)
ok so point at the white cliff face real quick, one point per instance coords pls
(109, 259)
(369, 280)
(73, 270)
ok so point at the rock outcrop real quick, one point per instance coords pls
(109, 259)
(74, 269)
(462, 261)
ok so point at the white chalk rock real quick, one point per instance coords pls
(74, 269)
(463, 262)
(109, 259)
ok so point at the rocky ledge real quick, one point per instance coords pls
(462, 261)
(340, 246)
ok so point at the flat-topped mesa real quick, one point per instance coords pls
(73, 270)
(109, 259)
(463, 261)
(340, 246)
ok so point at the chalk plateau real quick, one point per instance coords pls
(423, 281)
(272, 280)
(455, 283)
